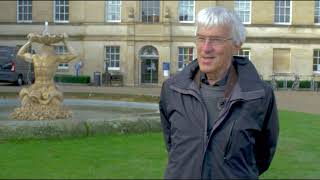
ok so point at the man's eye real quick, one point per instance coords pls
(216, 40)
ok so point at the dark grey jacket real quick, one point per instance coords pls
(243, 139)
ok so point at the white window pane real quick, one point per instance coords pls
(317, 12)
(185, 56)
(113, 10)
(242, 8)
(316, 60)
(282, 11)
(150, 11)
(186, 10)
(61, 10)
(24, 10)
(113, 56)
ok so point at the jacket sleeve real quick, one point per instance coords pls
(166, 126)
(267, 141)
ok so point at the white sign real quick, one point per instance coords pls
(166, 73)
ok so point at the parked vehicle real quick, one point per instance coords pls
(14, 69)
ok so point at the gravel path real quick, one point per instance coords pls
(300, 101)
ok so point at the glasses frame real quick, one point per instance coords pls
(211, 40)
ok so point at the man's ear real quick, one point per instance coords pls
(236, 48)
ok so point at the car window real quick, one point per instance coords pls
(3, 55)
(7, 66)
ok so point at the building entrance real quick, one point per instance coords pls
(149, 65)
(149, 71)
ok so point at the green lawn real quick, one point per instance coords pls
(143, 155)
(298, 152)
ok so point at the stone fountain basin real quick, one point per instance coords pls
(90, 117)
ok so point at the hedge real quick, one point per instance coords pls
(64, 78)
(303, 84)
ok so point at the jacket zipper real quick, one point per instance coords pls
(227, 148)
(223, 115)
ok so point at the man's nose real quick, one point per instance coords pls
(207, 46)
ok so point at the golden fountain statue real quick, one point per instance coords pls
(42, 100)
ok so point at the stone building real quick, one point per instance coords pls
(139, 39)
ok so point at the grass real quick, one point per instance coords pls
(298, 152)
(136, 156)
(117, 156)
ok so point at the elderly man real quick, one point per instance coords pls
(219, 118)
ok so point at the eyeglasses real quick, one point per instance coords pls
(211, 40)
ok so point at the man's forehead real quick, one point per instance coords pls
(218, 29)
(213, 27)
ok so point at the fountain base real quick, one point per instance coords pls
(35, 111)
(89, 117)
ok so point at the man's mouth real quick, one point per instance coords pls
(208, 59)
(211, 57)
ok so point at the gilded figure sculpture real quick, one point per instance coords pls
(43, 100)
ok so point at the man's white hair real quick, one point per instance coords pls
(217, 16)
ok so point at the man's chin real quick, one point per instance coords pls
(204, 69)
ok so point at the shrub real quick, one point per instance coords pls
(281, 83)
(72, 79)
(303, 83)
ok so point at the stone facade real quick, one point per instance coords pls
(90, 33)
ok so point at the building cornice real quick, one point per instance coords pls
(283, 40)
(159, 33)
(175, 39)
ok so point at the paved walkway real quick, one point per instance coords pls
(148, 91)
(301, 101)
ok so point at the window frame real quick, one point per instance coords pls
(115, 55)
(317, 59)
(23, 13)
(316, 9)
(55, 13)
(116, 7)
(244, 50)
(184, 54)
(290, 15)
(237, 11)
(60, 50)
(153, 16)
(193, 10)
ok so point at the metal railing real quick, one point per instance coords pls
(292, 81)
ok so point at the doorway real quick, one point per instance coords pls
(149, 71)
(149, 65)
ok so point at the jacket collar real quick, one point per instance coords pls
(222, 82)
(247, 79)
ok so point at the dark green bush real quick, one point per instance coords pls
(281, 83)
(64, 78)
(289, 84)
(303, 83)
